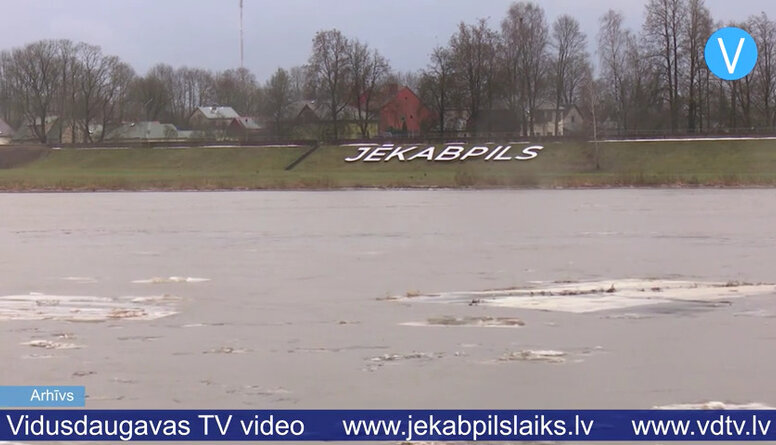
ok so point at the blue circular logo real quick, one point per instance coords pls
(731, 53)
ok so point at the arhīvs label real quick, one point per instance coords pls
(388, 152)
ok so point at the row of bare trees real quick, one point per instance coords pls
(656, 81)
(89, 91)
(650, 80)
(86, 89)
(523, 66)
(70, 80)
(345, 72)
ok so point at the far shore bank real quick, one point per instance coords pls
(560, 165)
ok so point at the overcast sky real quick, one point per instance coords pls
(205, 33)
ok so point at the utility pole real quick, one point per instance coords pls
(595, 122)
(242, 65)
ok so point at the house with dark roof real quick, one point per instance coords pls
(245, 128)
(312, 119)
(302, 112)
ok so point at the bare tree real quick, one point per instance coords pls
(743, 92)
(525, 43)
(33, 78)
(436, 86)
(569, 43)
(409, 79)
(590, 102)
(151, 94)
(641, 88)
(277, 98)
(612, 52)
(93, 72)
(575, 78)
(764, 33)
(68, 94)
(663, 26)
(115, 94)
(329, 66)
(369, 71)
(696, 29)
(301, 83)
(197, 89)
(237, 88)
(474, 52)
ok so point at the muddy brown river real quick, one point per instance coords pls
(321, 299)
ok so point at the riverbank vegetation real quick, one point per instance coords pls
(560, 164)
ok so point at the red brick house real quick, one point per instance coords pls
(404, 112)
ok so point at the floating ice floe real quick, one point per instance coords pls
(162, 280)
(48, 344)
(715, 405)
(262, 391)
(756, 313)
(81, 280)
(84, 308)
(399, 357)
(529, 355)
(226, 350)
(36, 357)
(599, 295)
(489, 322)
(375, 363)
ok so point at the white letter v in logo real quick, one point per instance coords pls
(730, 66)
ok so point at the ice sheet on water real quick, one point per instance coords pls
(48, 344)
(487, 322)
(599, 295)
(716, 405)
(165, 280)
(36, 306)
(81, 280)
(535, 355)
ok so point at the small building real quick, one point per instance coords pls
(312, 119)
(570, 121)
(302, 112)
(244, 128)
(213, 122)
(30, 132)
(144, 131)
(73, 133)
(6, 133)
(404, 113)
(456, 120)
(500, 119)
(212, 117)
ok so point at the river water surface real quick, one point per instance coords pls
(282, 299)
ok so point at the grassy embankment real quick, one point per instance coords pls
(566, 164)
